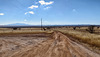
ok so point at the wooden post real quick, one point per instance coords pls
(41, 23)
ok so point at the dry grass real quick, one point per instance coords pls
(38, 43)
(23, 30)
(82, 36)
(42, 45)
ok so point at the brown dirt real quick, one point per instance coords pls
(58, 45)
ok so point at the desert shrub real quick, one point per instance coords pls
(44, 29)
(97, 27)
(74, 28)
(48, 27)
(91, 29)
(15, 28)
(79, 27)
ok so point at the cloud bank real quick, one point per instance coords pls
(30, 12)
(42, 2)
(36, 5)
(33, 6)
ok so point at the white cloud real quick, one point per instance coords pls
(31, 12)
(26, 13)
(42, 2)
(1, 13)
(33, 6)
(46, 8)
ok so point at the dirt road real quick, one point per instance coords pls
(58, 45)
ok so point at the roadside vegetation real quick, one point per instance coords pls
(80, 34)
(23, 30)
(88, 35)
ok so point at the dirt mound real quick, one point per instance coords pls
(57, 46)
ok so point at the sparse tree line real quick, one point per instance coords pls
(89, 29)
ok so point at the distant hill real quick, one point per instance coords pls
(23, 25)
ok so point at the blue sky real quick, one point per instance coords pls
(51, 11)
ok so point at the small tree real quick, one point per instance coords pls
(74, 28)
(79, 27)
(91, 29)
(14, 28)
(48, 28)
(97, 27)
(44, 29)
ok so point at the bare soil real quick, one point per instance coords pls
(42, 45)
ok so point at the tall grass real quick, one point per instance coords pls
(86, 37)
(23, 30)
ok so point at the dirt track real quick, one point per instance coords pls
(43, 46)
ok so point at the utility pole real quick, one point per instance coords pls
(41, 23)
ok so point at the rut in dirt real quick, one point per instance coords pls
(59, 46)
